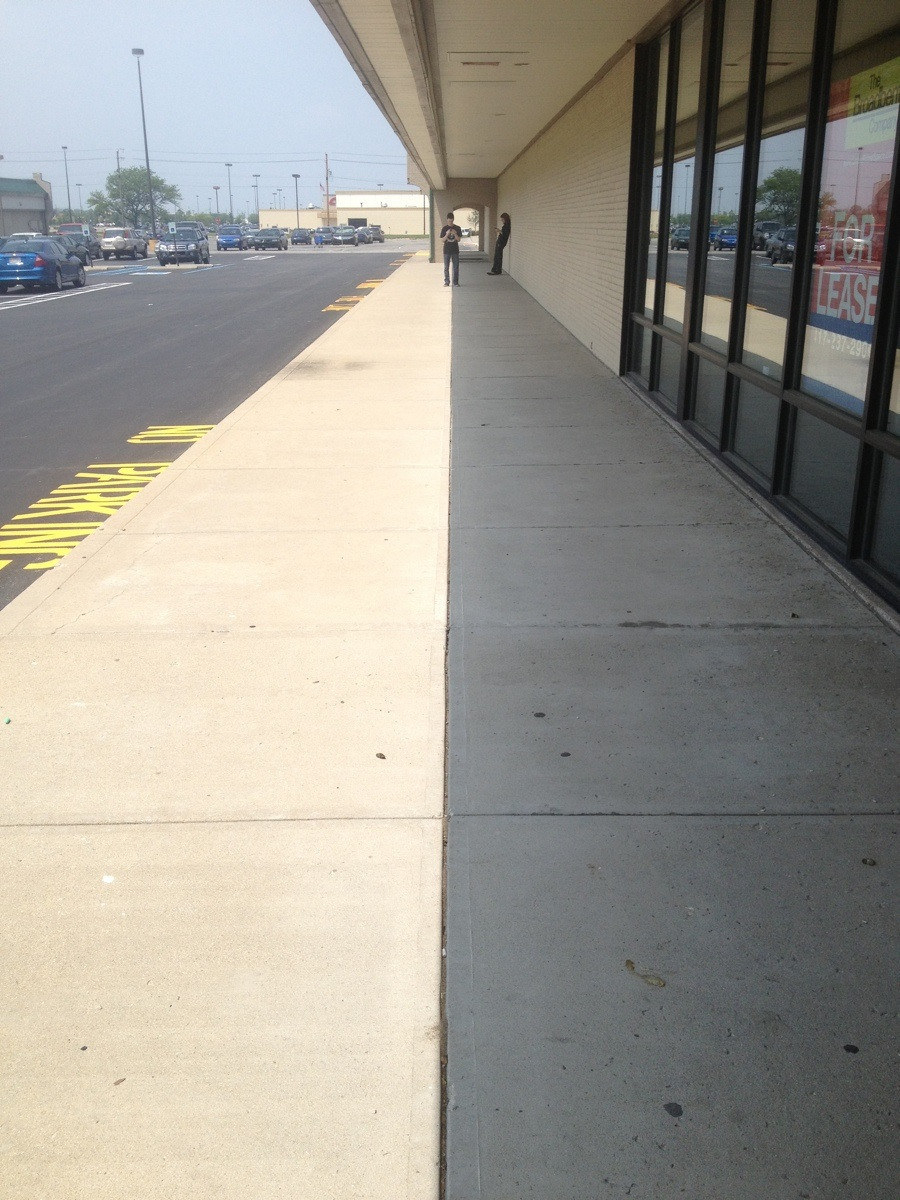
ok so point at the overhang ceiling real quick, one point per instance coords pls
(467, 84)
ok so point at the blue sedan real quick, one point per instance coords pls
(726, 239)
(39, 263)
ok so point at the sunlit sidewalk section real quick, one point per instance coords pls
(222, 779)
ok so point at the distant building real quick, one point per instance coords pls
(25, 204)
(398, 213)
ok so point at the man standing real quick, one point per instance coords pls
(450, 238)
(502, 238)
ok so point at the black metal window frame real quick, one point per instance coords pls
(869, 429)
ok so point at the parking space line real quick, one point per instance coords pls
(86, 291)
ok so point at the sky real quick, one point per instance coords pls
(263, 86)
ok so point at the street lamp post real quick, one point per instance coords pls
(68, 193)
(297, 198)
(138, 54)
(119, 182)
(230, 201)
(216, 187)
(721, 190)
(256, 195)
(80, 208)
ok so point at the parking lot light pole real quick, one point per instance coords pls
(68, 193)
(256, 194)
(138, 54)
(297, 199)
(216, 187)
(230, 201)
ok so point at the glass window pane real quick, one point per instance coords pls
(778, 184)
(709, 397)
(823, 471)
(641, 342)
(853, 198)
(669, 369)
(731, 123)
(756, 428)
(683, 170)
(656, 189)
(893, 417)
(886, 543)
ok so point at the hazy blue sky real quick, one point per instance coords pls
(263, 86)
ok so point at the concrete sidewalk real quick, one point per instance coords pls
(220, 861)
(672, 777)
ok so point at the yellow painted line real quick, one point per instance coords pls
(369, 283)
(4, 562)
(349, 299)
(337, 308)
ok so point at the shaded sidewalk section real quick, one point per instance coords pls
(672, 767)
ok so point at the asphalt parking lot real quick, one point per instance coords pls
(134, 367)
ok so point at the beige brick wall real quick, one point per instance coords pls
(568, 199)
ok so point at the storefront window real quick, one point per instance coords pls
(785, 106)
(886, 543)
(709, 397)
(721, 247)
(853, 198)
(669, 370)
(680, 232)
(893, 417)
(656, 189)
(823, 470)
(756, 427)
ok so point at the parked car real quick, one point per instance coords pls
(377, 233)
(76, 247)
(680, 238)
(344, 235)
(762, 231)
(184, 245)
(726, 238)
(771, 240)
(85, 235)
(232, 237)
(270, 239)
(325, 234)
(363, 235)
(39, 263)
(121, 241)
(782, 246)
(301, 237)
(90, 241)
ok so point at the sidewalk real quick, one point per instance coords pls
(671, 774)
(223, 781)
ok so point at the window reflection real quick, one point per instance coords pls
(731, 122)
(656, 188)
(853, 199)
(679, 232)
(778, 184)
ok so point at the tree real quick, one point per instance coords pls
(126, 197)
(779, 195)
